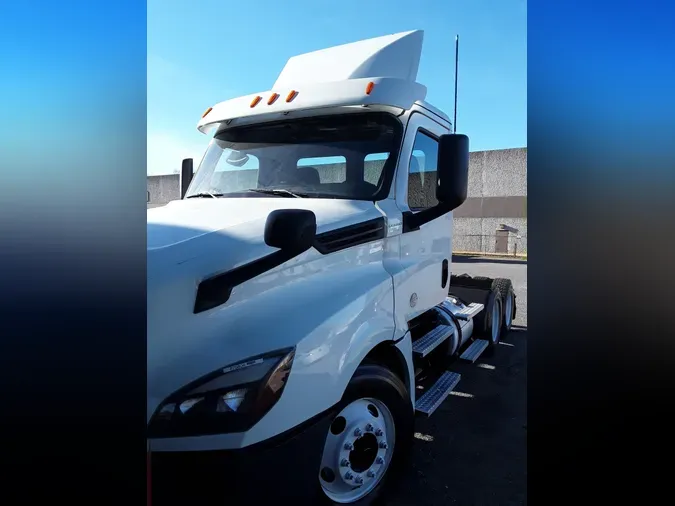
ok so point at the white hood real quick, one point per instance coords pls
(186, 229)
(193, 239)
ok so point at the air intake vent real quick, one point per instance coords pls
(353, 235)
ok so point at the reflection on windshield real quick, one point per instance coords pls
(345, 156)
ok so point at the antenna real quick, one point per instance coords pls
(454, 123)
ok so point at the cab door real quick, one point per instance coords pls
(425, 253)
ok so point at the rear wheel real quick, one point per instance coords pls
(483, 320)
(490, 322)
(496, 321)
(505, 289)
(369, 438)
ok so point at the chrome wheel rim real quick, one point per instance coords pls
(358, 450)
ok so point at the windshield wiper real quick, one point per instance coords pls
(278, 191)
(204, 195)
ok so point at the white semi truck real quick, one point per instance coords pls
(301, 306)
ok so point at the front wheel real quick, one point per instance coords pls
(369, 438)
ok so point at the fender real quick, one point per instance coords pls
(327, 358)
(404, 346)
(334, 309)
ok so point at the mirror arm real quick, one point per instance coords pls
(216, 290)
(413, 221)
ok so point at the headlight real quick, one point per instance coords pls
(232, 399)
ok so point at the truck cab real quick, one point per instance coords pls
(299, 314)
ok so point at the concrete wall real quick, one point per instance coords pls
(497, 196)
(163, 189)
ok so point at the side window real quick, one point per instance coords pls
(422, 176)
(330, 169)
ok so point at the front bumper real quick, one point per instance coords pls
(284, 467)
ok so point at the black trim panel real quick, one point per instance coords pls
(291, 230)
(413, 221)
(215, 291)
(352, 235)
(409, 225)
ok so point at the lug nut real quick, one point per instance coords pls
(357, 432)
(383, 444)
(379, 432)
(344, 463)
(369, 428)
(349, 446)
(348, 475)
(379, 460)
(370, 473)
(358, 480)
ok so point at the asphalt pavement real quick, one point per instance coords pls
(473, 449)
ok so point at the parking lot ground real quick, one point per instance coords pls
(473, 449)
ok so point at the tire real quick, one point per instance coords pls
(493, 312)
(505, 289)
(482, 321)
(496, 317)
(481, 278)
(369, 383)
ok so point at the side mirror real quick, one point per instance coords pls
(291, 230)
(453, 170)
(186, 173)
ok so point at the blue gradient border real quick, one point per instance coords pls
(72, 259)
(72, 250)
(601, 127)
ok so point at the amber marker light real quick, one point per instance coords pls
(291, 95)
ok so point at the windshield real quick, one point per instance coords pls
(350, 156)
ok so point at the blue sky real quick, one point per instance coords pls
(201, 52)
